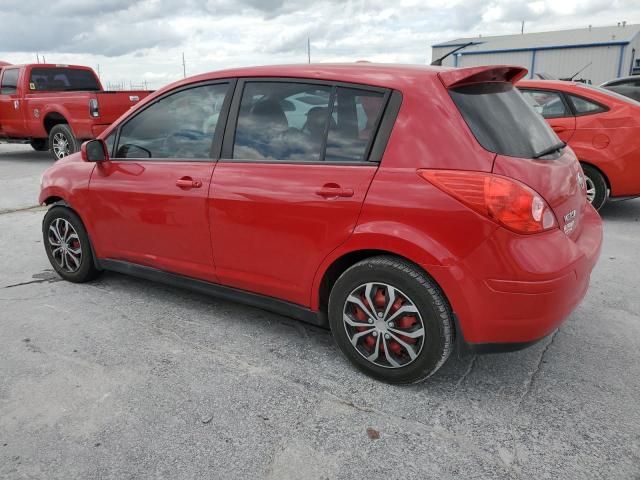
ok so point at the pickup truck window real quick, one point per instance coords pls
(9, 82)
(62, 79)
(178, 126)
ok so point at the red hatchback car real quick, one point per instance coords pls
(603, 129)
(407, 208)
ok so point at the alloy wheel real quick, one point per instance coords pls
(591, 189)
(64, 244)
(60, 145)
(384, 325)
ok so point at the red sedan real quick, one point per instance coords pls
(602, 128)
(406, 208)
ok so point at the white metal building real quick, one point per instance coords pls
(613, 51)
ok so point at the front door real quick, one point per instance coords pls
(11, 116)
(149, 201)
(291, 182)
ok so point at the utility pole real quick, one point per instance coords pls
(522, 28)
(37, 57)
(98, 70)
(184, 67)
(44, 60)
(308, 49)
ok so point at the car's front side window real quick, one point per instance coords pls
(178, 126)
(9, 81)
(546, 103)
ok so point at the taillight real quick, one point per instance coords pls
(506, 201)
(93, 107)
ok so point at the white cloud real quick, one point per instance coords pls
(138, 40)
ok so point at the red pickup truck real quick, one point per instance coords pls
(56, 107)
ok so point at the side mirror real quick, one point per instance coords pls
(94, 151)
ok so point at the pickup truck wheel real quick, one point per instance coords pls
(61, 141)
(40, 144)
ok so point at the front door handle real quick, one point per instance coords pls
(559, 128)
(333, 190)
(187, 183)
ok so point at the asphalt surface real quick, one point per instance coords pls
(125, 379)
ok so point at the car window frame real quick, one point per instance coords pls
(4, 73)
(375, 146)
(603, 107)
(561, 94)
(216, 140)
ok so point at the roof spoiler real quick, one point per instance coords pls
(493, 73)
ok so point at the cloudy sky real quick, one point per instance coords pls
(143, 40)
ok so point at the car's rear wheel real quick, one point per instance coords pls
(391, 320)
(67, 245)
(40, 144)
(62, 141)
(597, 189)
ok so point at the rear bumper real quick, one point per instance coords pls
(514, 289)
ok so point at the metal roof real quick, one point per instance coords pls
(581, 37)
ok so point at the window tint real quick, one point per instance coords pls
(502, 120)
(355, 117)
(9, 81)
(62, 79)
(583, 106)
(179, 126)
(282, 121)
(546, 103)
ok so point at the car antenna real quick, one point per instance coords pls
(577, 73)
(438, 62)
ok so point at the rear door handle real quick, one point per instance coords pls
(333, 190)
(187, 183)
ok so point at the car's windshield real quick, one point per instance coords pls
(61, 79)
(502, 120)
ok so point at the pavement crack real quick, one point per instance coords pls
(21, 209)
(464, 376)
(30, 282)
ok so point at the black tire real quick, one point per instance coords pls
(85, 270)
(40, 144)
(62, 142)
(413, 283)
(596, 181)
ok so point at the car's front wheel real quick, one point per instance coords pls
(67, 245)
(391, 320)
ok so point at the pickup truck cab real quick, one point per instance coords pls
(56, 107)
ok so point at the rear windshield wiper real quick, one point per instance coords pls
(553, 148)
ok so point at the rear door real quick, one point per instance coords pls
(553, 106)
(526, 148)
(291, 181)
(149, 202)
(11, 111)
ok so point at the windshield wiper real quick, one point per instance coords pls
(553, 148)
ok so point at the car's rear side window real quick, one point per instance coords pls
(502, 121)
(9, 83)
(583, 106)
(548, 104)
(297, 121)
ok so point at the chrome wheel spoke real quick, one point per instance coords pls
(367, 296)
(405, 345)
(415, 334)
(401, 311)
(359, 335)
(391, 299)
(358, 302)
(376, 351)
(392, 361)
(350, 321)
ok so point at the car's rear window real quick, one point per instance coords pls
(62, 80)
(502, 121)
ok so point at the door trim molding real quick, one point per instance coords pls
(263, 302)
